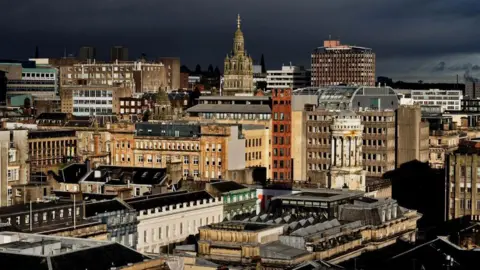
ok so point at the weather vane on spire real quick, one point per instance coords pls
(238, 21)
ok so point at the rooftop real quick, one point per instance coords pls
(173, 198)
(22, 250)
(42, 134)
(322, 195)
(243, 98)
(25, 208)
(240, 226)
(168, 129)
(95, 208)
(279, 251)
(227, 186)
(230, 108)
(125, 175)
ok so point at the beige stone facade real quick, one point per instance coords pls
(140, 77)
(463, 184)
(378, 140)
(238, 70)
(442, 143)
(257, 147)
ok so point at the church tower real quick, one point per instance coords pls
(238, 69)
(346, 169)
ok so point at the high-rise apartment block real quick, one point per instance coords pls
(87, 53)
(335, 64)
(472, 88)
(118, 53)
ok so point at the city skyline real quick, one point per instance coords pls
(431, 41)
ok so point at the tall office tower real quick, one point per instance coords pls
(87, 53)
(238, 70)
(346, 168)
(119, 53)
(335, 64)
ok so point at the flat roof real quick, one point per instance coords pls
(230, 108)
(241, 226)
(323, 195)
(246, 98)
(227, 186)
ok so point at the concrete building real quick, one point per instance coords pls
(238, 69)
(14, 168)
(167, 219)
(463, 183)
(472, 88)
(87, 53)
(335, 64)
(447, 99)
(172, 66)
(346, 169)
(33, 251)
(140, 77)
(238, 200)
(412, 135)
(281, 135)
(38, 80)
(118, 53)
(444, 139)
(289, 77)
(89, 100)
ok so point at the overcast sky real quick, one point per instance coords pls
(413, 39)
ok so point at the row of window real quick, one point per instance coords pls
(169, 146)
(92, 93)
(324, 167)
(246, 116)
(44, 216)
(281, 128)
(91, 101)
(253, 142)
(92, 110)
(253, 156)
(37, 75)
(187, 228)
(281, 140)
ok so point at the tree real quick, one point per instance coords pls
(185, 69)
(146, 116)
(37, 52)
(210, 70)
(198, 69)
(217, 72)
(262, 63)
(162, 97)
(27, 103)
(194, 97)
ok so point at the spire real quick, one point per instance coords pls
(239, 21)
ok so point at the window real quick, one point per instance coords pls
(167, 232)
(159, 233)
(145, 236)
(185, 160)
(35, 218)
(140, 158)
(27, 219)
(181, 228)
(44, 216)
(61, 213)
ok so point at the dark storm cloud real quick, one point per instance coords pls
(407, 35)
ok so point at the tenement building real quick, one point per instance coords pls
(49, 148)
(335, 64)
(14, 166)
(170, 218)
(238, 70)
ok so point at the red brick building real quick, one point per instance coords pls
(281, 135)
(335, 64)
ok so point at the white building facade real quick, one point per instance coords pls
(346, 168)
(291, 77)
(92, 102)
(162, 226)
(448, 99)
